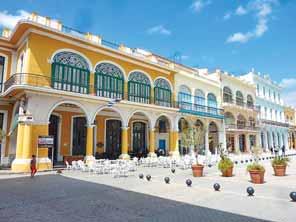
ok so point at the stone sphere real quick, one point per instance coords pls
(148, 177)
(250, 191)
(167, 180)
(188, 182)
(173, 170)
(217, 186)
(141, 176)
(293, 196)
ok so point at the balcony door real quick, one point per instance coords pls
(2, 63)
(139, 139)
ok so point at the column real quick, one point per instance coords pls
(19, 141)
(174, 143)
(124, 143)
(236, 143)
(247, 136)
(207, 149)
(89, 143)
(27, 142)
(266, 141)
(285, 142)
(271, 140)
(152, 143)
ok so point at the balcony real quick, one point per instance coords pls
(275, 123)
(241, 127)
(200, 110)
(241, 105)
(84, 88)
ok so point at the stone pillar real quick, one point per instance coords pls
(266, 141)
(19, 141)
(236, 143)
(271, 140)
(27, 142)
(152, 143)
(207, 149)
(89, 143)
(174, 143)
(247, 136)
(124, 143)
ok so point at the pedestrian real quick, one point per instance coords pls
(33, 166)
(283, 150)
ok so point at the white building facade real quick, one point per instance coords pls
(273, 128)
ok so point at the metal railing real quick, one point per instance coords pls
(241, 104)
(241, 127)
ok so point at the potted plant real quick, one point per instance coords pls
(192, 137)
(255, 169)
(279, 164)
(225, 166)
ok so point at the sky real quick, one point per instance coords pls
(231, 35)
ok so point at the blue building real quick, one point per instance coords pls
(273, 128)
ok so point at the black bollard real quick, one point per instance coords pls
(188, 182)
(217, 186)
(250, 191)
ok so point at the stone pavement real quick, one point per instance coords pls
(271, 200)
(57, 198)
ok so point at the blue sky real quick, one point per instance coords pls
(232, 35)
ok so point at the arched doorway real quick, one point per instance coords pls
(53, 130)
(162, 128)
(68, 125)
(139, 138)
(113, 138)
(242, 142)
(213, 137)
(79, 136)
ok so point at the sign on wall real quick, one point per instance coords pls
(45, 141)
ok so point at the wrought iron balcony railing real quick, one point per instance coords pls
(241, 127)
(241, 104)
(37, 80)
(200, 110)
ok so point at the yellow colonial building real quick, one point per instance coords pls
(94, 97)
(290, 118)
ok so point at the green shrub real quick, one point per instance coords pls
(280, 160)
(224, 164)
(255, 166)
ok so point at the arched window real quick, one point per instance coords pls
(252, 122)
(239, 98)
(139, 87)
(185, 101)
(250, 102)
(109, 81)
(212, 103)
(70, 72)
(199, 100)
(227, 95)
(241, 122)
(229, 119)
(162, 92)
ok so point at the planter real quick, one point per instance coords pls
(279, 170)
(257, 176)
(228, 172)
(197, 170)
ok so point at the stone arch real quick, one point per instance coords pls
(89, 64)
(150, 120)
(101, 108)
(119, 67)
(88, 117)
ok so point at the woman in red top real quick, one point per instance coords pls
(33, 166)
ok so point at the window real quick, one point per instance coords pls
(162, 92)
(263, 91)
(109, 81)
(70, 72)
(21, 63)
(162, 126)
(258, 89)
(250, 102)
(239, 98)
(227, 95)
(2, 66)
(269, 92)
(241, 122)
(212, 103)
(274, 96)
(185, 97)
(199, 100)
(265, 112)
(139, 87)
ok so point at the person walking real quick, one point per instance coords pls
(33, 166)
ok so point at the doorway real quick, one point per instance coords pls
(79, 136)
(53, 130)
(113, 138)
(139, 139)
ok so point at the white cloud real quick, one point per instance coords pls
(239, 37)
(263, 11)
(160, 29)
(241, 11)
(198, 5)
(227, 16)
(289, 91)
(10, 20)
